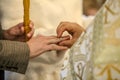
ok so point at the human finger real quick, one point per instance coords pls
(65, 26)
(57, 40)
(31, 25)
(67, 43)
(62, 24)
(60, 29)
(57, 47)
(30, 34)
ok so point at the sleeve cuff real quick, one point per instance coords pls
(15, 56)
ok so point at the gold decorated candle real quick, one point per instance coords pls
(26, 6)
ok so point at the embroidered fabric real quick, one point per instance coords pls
(96, 54)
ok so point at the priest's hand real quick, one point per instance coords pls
(73, 29)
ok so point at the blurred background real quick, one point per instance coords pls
(90, 7)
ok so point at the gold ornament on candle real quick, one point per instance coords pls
(26, 5)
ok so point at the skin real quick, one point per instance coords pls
(38, 44)
(73, 29)
(16, 33)
(46, 43)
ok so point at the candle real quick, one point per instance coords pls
(26, 5)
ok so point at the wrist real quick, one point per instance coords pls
(30, 51)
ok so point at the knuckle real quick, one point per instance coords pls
(53, 46)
